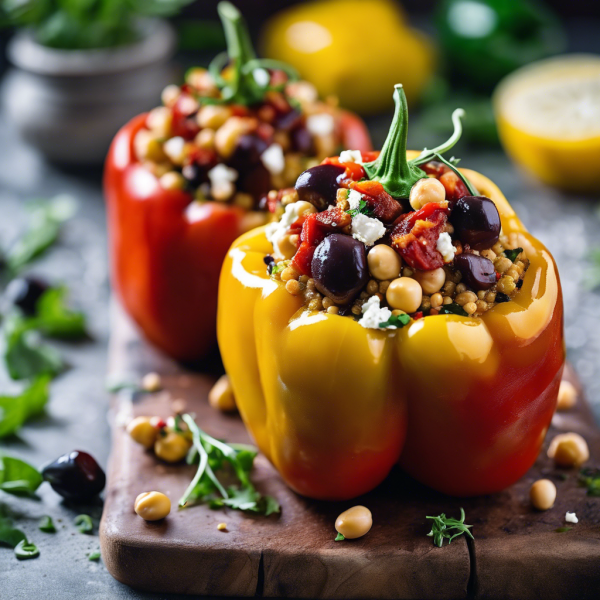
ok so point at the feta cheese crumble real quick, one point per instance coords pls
(571, 518)
(445, 248)
(373, 314)
(354, 199)
(261, 76)
(273, 159)
(174, 148)
(320, 125)
(221, 179)
(351, 156)
(275, 232)
(366, 229)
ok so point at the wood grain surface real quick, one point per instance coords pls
(517, 552)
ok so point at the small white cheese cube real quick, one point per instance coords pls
(273, 159)
(445, 248)
(351, 156)
(322, 124)
(366, 229)
(354, 199)
(373, 314)
(571, 517)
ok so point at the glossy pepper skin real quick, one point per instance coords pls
(462, 403)
(165, 262)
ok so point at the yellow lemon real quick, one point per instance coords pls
(548, 116)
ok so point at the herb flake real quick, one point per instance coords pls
(453, 309)
(339, 537)
(590, 479)
(84, 523)
(513, 254)
(398, 321)
(47, 525)
(442, 527)
(25, 550)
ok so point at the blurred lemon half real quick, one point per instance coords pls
(548, 116)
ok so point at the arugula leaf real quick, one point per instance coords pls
(47, 525)
(47, 218)
(10, 536)
(84, 523)
(590, 478)
(26, 356)
(16, 410)
(442, 525)
(339, 538)
(25, 550)
(17, 476)
(398, 321)
(453, 309)
(213, 456)
(513, 254)
(55, 319)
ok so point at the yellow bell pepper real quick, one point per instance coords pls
(352, 49)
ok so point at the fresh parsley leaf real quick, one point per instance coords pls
(213, 456)
(94, 556)
(362, 209)
(513, 254)
(25, 354)
(453, 309)
(277, 268)
(398, 321)
(25, 550)
(17, 476)
(47, 218)
(10, 536)
(16, 410)
(339, 538)
(55, 319)
(47, 525)
(442, 526)
(84, 523)
(590, 478)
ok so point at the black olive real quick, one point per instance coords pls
(478, 273)
(288, 120)
(75, 476)
(194, 175)
(256, 181)
(25, 292)
(302, 141)
(247, 152)
(319, 185)
(476, 222)
(270, 262)
(339, 267)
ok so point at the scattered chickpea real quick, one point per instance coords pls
(289, 273)
(460, 288)
(213, 115)
(490, 297)
(542, 494)
(221, 395)
(293, 287)
(449, 288)
(174, 148)
(354, 522)
(384, 262)
(170, 94)
(171, 446)
(482, 306)
(143, 431)
(465, 298)
(425, 191)
(333, 310)
(447, 300)
(568, 450)
(151, 382)
(159, 121)
(567, 396)
(431, 281)
(228, 134)
(152, 506)
(172, 180)
(404, 293)
(147, 146)
(222, 526)
(502, 264)
(205, 138)
(506, 285)
(470, 308)
(315, 304)
(436, 300)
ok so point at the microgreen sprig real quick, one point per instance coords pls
(590, 478)
(442, 526)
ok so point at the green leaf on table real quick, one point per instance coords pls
(9, 536)
(25, 550)
(94, 556)
(47, 217)
(589, 478)
(25, 354)
(443, 528)
(84, 523)
(339, 538)
(17, 476)
(16, 410)
(47, 525)
(55, 319)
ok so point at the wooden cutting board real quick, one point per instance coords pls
(517, 552)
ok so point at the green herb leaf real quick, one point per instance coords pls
(562, 529)
(17, 476)
(398, 321)
(453, 309)
(363, 209)
(10, 536)
(213, 456)
(277, 268)
(47, 525)
(513, 254)
(339, 538)
(25, 550)
(55, 319)
(94, 556)
(84, 523)
(45, 223)
(16, 410)
(442, 527)
(590, 478)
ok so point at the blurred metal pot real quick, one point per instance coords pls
(70, 103)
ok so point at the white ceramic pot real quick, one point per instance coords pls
(70, 103)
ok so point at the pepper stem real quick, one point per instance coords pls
(391, 168)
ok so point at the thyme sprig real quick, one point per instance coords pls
(442, 527)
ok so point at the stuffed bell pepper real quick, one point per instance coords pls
(398, 311)
(183, 181)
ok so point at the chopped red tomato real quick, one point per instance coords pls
(455, 188)
(183, 121)
(415, 236)
(383, 206)
(354, 171)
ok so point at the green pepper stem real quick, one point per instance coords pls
(391, 168)
(448, 144)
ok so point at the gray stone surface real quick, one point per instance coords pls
(76, 416)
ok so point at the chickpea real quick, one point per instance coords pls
(426, 191)
(568, 450)
(151, 382)
(304, 208)
(289, 273)
(436, 300)
(147, 146)
(542, 494)
(221, 395)
(502, 264)
(228, 134)
(222, 526)
(470, 308)
(506, 285)
(205, 139)
(354, 522)
(465, 297)
(172, 180)
(159, 121)
(567, 396)
(143, 431)
(170, 94)
(372, 287)
(213, 115)
(293, 287)
(171, 446)
(405, 293)
(384, 262)
(333, 310)
(152, 506)
(431, 281)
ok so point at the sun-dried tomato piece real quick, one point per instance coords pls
(454, 186)
(334, 219)
(379, 202)
(415, 236)
(354, 171)
(183, 117)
